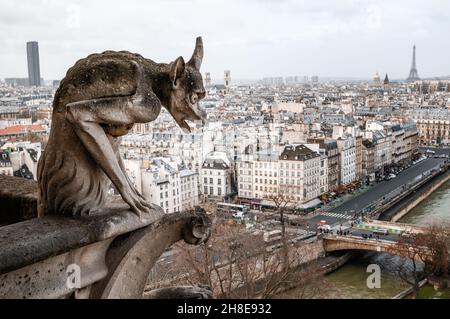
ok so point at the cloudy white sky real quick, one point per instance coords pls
(254, 39)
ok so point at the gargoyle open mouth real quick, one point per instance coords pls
(196, 114)
(184, 126)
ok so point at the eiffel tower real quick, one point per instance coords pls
(413, 74)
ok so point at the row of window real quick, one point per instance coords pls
(186, 180)
(211, 191)
(247, 186)
(310, 172)
(265, 173)
(261, 181)
(216, 172)
(265, 165)
(185, 187)
(166, 206)
(211, 181)
(161, 195)
(186, 196)
(299, 181)
(266, 189)
(307, 164)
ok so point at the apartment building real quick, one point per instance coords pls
(358, 162)
(299, 171)
(188, 189)
(215, 177)
(383, 150)
(433, 125)
(368, 153)
(347, 159)
(330, 149)
(161, 185)
(265, 174)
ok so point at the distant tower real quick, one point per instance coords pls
(208, 79)
(34, 72)
(413, 74)
(227, 78)
(386, 83)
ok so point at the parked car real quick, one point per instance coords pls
(381, 231)
(238, 215)
(391, 176)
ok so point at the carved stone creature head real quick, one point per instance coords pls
(187, 88)
(198, 230)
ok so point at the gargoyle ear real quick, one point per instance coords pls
(197, 56)
(176, 69)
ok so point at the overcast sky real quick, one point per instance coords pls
(254, 39)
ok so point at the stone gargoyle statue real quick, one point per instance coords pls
(100, 99)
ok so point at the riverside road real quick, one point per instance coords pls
(346, 211)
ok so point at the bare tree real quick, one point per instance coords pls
(281, 201)
(422, 254)
(236, 263)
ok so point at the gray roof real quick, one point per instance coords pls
(214, 163)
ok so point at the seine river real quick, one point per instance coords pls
(349, 281)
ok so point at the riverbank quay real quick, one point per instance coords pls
(322, 266)
(407, 201)
(409, 291)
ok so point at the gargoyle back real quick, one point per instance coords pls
(100, 75)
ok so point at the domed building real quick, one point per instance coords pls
(376, 79)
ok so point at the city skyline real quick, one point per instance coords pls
(277, 149)
(253, 39)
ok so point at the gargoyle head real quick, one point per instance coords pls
(187, 89)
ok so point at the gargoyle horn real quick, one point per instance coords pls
(197, 56)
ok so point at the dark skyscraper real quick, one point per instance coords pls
(34, 72)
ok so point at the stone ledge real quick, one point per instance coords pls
(18, 199)
(114, 252)
(37, 239)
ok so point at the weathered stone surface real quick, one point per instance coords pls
(47, 279)
(99, 100)
(18, 199)
(40, 238)
(114, 250)
(130, 258)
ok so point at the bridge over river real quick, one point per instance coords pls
(379, 243)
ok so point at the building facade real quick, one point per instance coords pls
(433, 126)
(368, 153)
(299, 169)
(358, 162)
(215, 177)
(347, 159)
(189, 189)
